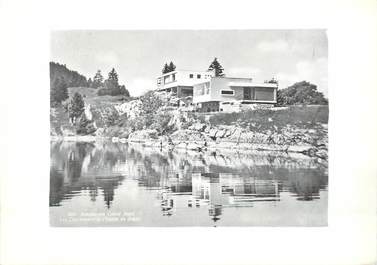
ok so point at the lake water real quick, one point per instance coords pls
(111, 184)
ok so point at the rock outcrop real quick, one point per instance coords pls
(199, 136)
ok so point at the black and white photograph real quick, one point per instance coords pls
(188, 132)
(189, 128)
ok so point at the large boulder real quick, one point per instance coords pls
(132, 108)
(187, 135)
(142, 135)
(88, 112)
(199, 127)
(220, 133)
(212, 132)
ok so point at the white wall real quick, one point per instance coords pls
(183, 78)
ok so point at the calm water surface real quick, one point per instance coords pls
(109, 184)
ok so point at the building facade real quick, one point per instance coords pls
(210, 94)
(181, 82)
(232, 94)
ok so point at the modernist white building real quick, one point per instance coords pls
(228, 93)
(210, 93)
(181, 82)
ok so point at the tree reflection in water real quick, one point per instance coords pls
(212, 180)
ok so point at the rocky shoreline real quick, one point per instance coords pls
(200, 137)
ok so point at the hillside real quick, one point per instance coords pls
(59, 119)
(71, 78)
(152, 121)
(90, 96)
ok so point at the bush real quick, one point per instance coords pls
(84, 126)
(301, 93)
(110, 116)
(150, 103)
(160, 122)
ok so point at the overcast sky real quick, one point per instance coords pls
(138, 56)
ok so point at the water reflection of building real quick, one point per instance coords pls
(179, 180)
(217, 191)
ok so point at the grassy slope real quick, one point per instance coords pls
(91, 97)
(275, 119)
(60, 117)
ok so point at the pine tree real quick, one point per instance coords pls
(165, 69)
(216, 66)
(168, 68)
(171, 67)
(76, 106)
(111, 83)
(113, 76)
(97, 79)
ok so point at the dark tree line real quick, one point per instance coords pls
(58, 91)
(61, 78)
(71, 78)
(110, 86)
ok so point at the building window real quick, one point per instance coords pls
(167, 79)
(198, 76)
(206, 90)
(227, 92)
(191, 75)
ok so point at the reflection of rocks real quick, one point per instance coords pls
(205, 179)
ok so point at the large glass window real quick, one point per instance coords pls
(202, 89)
(264, 94)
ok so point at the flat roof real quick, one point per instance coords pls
(252, 84)
(188, 71)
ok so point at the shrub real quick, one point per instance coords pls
(84, 126)
(160, 122)
(150, 103)
(110, 116)
(301, 93)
